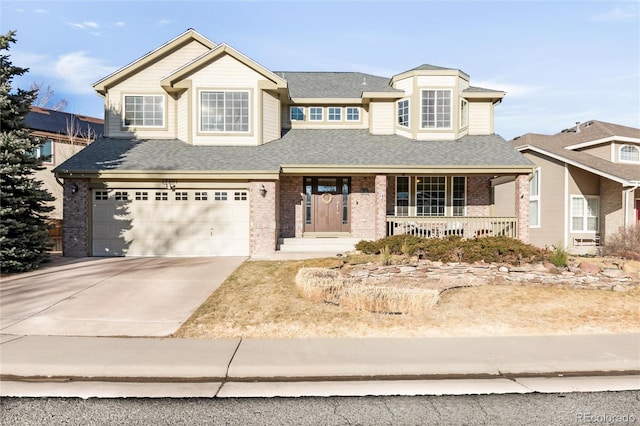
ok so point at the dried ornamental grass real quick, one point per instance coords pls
(323, 285)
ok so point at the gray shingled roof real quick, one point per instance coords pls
(296, 147)
(479, 89)
(592, 130)
(334, 84)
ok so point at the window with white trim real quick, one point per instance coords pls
(224, 111)
(436, 109)
(431, 194)
(534, 199)
(220, 196)
(122, 196)
(102, 195)
(200, 196)
(297, 113)
(353, 114)
(162, 196)
(142, 195)
(315, 113)
(334, 114)
(143, 111)
(464, 113)
(630, 153)
(181, 196)
(402, 196)
(458, 196)
(403, 113)
(584, 213)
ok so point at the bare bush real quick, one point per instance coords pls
(625, 242)
(319, 284)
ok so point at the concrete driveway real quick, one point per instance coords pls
(110, 296)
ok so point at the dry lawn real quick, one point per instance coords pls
(260, 300)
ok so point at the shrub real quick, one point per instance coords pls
(558, 256)
(625, 242)
(385, 254)
(398, 244)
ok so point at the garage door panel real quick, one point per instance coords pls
(180, 223)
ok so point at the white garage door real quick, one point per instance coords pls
(150, 222)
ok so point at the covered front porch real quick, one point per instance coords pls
(374, 206)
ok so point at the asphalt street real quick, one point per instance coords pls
(509, 409)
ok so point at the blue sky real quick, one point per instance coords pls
(559, 62)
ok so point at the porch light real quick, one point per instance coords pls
(74, 188)
(263, 191)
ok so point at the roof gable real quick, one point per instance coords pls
(187, 37)
(173, 80)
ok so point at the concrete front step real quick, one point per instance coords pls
(293, 245)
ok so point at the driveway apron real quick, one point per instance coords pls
(111, 296)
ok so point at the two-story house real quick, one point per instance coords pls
(62, 135)
(585, 185)
(207, 152)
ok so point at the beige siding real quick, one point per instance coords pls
(227, 73)
(601, 151)
(480, 118)
(183, 118)
(382, 118)
(503, 199)
(270, 117)
(147, 82)
(552, 202)
(425, 81)
(405, 84)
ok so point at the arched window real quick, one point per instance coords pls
(630, 153)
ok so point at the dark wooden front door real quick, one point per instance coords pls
(327, 204)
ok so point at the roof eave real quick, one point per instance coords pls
(301, 169)
(165, 174)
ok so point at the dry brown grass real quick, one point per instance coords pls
(260, 300)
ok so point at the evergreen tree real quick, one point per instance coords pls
(24, 240)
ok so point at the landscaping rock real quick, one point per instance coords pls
(589, 268)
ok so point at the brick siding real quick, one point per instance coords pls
(75, 228)
(522, 207)
(264, 213)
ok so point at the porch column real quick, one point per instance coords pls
(522, 207)
(75, 222)
(381, 206)
(264, 217)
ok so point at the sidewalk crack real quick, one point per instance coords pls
(226, 374)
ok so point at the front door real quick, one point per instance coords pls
(638, 211)
(327, 204)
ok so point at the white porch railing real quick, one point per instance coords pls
(443, 226)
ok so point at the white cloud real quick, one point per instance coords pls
(90, 24)
(84, 25)
(75, 25)
(77, 71)
(616, 14)
(513, 90)
(43, 11)
(164, 22)
(120, 24)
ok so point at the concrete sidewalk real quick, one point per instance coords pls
(41, 365)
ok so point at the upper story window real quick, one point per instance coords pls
(464, 113)
(403, 113)
(353, 114)
(315, 113)
(297, 113)
(334, 114)
(45, 151)
(144, 111)
(436, 109)
(630, 153)
(224, 111)
(534, 199)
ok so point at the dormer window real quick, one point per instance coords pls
(629, 154)
(436, 109)
(315, 113)
(464, 113)
(353, 114)
(334, 114)
(143, 111)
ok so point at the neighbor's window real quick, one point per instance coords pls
(45, 151)
(436, 109)
(534, 199)
(315, 113)
(297, 113)
(584, 213)
(353, 114)
(334, 114)
(144, 110)
(459, 196)
(630, 153)
(430, 195)
(464, 113)
(403, 113)
(224, 111)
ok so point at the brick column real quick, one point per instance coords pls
(75, 225)
(264, 217)
(522, 207)
(381, 206)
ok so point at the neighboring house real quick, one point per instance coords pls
(585, 185)
(62, 135)
(206, 152)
